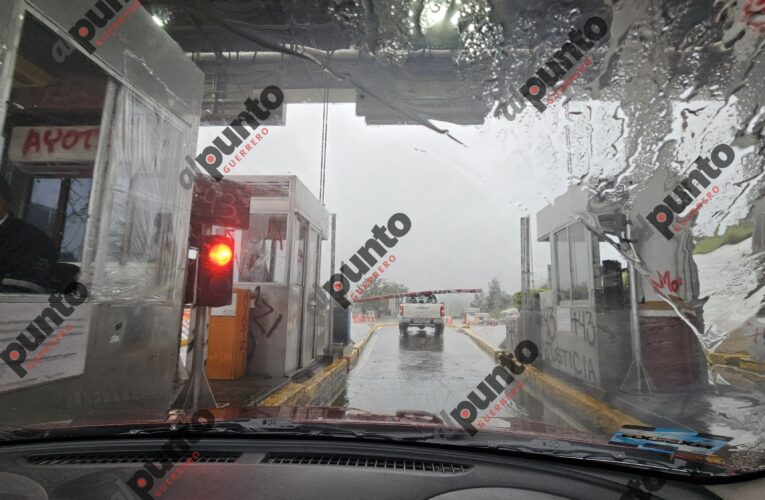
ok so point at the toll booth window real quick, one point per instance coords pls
(563, 266)
(50, 140)
(264, 250)
(573, 265)
(66, 227)
(298, 261)
(580, 263)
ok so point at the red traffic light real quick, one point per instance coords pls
(221, 254)
(215, 281)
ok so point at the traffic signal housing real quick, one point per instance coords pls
(215, 282)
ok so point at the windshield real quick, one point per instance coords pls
(498, 219)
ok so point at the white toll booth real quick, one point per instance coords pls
(593, 325)
(279, 260)
(584, 317)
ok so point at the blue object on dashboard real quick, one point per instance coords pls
(668, 440)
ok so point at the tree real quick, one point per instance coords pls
(381, 287)
(497, 300)
(479, 301)
(494, 301)
(518, 296)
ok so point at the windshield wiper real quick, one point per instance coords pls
(267, 426)
(596, 453)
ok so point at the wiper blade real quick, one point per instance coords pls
(324, 430)
(22, 434)
(596, 453)
(585, 454)
(255, 426)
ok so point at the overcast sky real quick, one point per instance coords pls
(464, 202)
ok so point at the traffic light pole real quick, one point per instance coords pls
(197, 393)
(201, 394)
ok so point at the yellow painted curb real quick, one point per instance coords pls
(303, 394)
(740, 359)
(282, 396)
(752, 366)
(312, 387)
(494, 351)
(605, 417)
(352, 358)
(358, 347)
(726, 358)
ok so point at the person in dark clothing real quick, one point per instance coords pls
(26, 253)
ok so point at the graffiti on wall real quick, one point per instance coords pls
(570, 342)
(261, 315)
(262, 319)
(666, 282)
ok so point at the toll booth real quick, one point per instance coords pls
(589, 321)
(584, 316)
(278, 259)
(470, 315)
(92, 147)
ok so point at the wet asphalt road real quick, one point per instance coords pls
(418, 371)
(423, 372)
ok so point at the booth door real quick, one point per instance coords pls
(310, 299)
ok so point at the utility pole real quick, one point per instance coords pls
(525, 282)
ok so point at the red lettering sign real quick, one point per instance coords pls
(40, 144)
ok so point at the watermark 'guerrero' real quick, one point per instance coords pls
(491, 387)
(338, 285)
(561, 63)
(663, 214)
(212, 156)
(98, 18)
(175, 450)
(43, 326)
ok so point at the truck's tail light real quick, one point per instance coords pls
(443, 311)
(401, 309)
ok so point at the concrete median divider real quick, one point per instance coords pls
(545, 386)
(322, 388)
(490, 349)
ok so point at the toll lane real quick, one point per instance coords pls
(419, 371)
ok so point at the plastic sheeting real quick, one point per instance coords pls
(145, 210)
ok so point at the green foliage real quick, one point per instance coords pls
(517, 299)
(734, 234)
(518, 296)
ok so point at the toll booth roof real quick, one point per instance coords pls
(285, 192)
(576, 203)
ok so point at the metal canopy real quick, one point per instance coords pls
(243, 46)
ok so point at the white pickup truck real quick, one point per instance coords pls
(422, 311)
